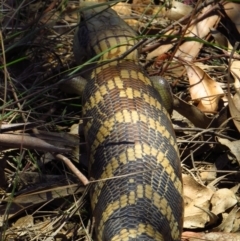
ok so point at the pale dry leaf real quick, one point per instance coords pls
(235, 188)
(204, 89)
(177, 11)
(142, 6)
(236, 224)
(33, 229)
(195, 217)
(222, 41)
(194, 190)
(212, 236)
(235, 113)
(208, 173)
(160, 50)
(228, 221)
(235, 71)
(195, 196)
(122, 8)
(234, 147)
(24, 222)
(236, 100)
(223, 199)
(232, 10)
(190, 49)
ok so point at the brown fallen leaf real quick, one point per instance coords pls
(222, 200)
(204, 89)
(189, 50)
(234, 147)
(227, 48)
(212, 236)
(232, 10)
(122, 8)
(177, 11)
(235, 113)
(197, 200)
(228, 221)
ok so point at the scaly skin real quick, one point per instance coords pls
(130, 138)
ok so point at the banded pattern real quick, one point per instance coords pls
(130, 138)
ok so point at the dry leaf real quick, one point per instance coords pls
(190, 49)
(221, 40)
(24, 222)
(223, 199)
(195, 196)
(228, 221)
(122, 8)
(161, 49)
(38, 228)
(212, 236)
(235, 70)
(177, 11)
(235, 113)
(142, 6)
(234, 147)
(204, 89)
(208, 173)
(232, 10)
(195, 217)
(236, 224)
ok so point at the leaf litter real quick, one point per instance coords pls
(184, 47)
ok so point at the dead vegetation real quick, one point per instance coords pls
(193, 44)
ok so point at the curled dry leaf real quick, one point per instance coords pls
(161, 49)
(222, 199)
(122, 8)
(213, 236)
(196, 198)
(208, 173)
(142, 6)
(23, 222)
(220, 38)
(234, 147)
(199, 217)
(177, 11)
(204, 89)
(222, 41)
(190, 49)
(228, 221)
(232, 10)
(235, 71)
(236, 224)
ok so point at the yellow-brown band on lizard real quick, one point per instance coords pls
(129, 135)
